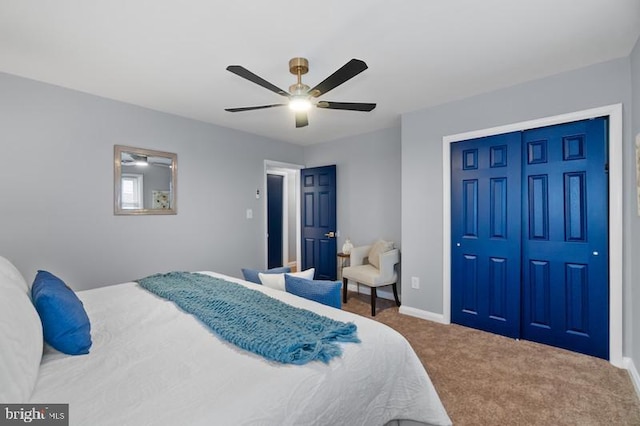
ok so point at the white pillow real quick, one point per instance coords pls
(20, 337)
(379, 247)
(9, 275)
(276, 281)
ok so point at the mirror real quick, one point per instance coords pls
(144, 181)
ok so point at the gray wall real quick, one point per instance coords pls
(633, 232)
(56, 182)
(368, 182)
(422, 133)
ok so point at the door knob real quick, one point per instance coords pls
(330, 234)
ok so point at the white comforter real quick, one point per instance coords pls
(152, 364)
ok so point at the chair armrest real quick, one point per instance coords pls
(358, 254)
(388, 261)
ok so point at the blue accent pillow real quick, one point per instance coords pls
(65, 323)
(251, 275)
(325, 292)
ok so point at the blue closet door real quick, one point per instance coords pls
(565, 228)
(485, 231)
(529, 229)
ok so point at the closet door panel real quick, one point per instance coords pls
(485, 232)
(565, 210)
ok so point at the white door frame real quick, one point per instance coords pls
(614, 112)
(278, 167)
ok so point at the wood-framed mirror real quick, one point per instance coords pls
(144, 181)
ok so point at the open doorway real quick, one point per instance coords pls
(285, 220)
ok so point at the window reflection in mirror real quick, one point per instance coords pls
(144, 181)
(132, 190)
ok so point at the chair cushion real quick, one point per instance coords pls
(325, 292)
(65, 323)
(379, 247)
(251, 275)
(276, 281)
(367, 275)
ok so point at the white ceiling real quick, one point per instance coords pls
(171, 55)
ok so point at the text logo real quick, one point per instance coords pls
(35, 414)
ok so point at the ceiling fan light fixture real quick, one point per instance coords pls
(299, 104)
(300, 96)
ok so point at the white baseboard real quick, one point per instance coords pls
(419, 313)
(406, 310)
(633, 373)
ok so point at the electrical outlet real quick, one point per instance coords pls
(415, 282)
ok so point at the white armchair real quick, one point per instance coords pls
(363, 272)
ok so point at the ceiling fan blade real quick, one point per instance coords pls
(253, 107)
(245, 73)
(348, 71)
(301, 119)
(350, 106)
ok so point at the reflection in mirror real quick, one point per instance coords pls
(144, 181)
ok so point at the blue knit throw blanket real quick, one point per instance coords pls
(252, 320)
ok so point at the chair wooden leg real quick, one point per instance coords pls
(344, 290)
(373, 301)
(395, 294)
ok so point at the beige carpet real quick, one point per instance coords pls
(485, 379)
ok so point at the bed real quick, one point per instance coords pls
(151, 363)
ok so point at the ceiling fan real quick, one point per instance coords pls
(300, 98)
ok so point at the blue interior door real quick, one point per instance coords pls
(485, 230)
(565, 228)
(274, 220)
(318, 203)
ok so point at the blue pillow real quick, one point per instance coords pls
(65, 323)
(251, 275)
(325, 292)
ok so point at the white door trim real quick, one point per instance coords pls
(614, 112)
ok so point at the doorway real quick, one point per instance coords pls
(284, 248)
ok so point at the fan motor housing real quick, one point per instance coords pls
(298, 65)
